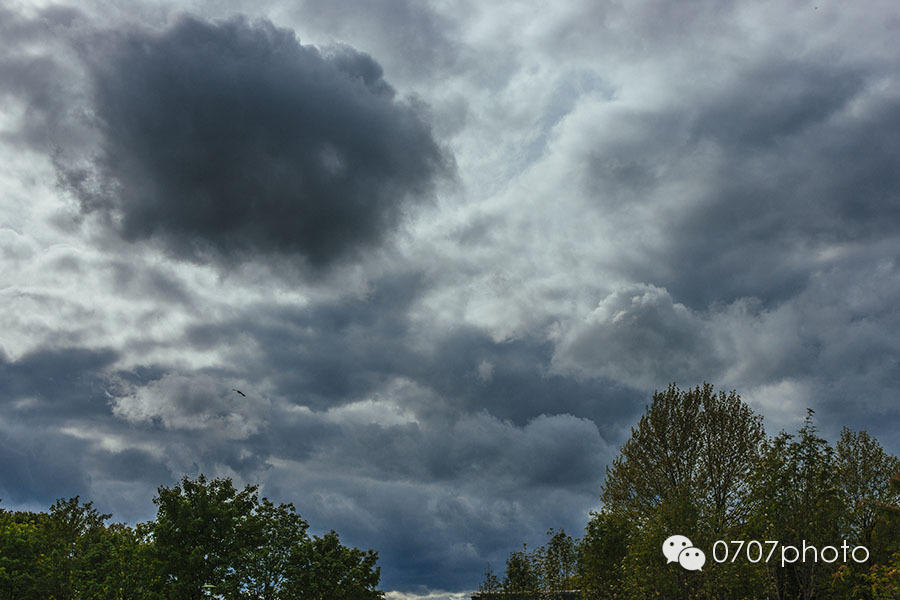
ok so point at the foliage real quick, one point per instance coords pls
(490, 583)
(205, 532)
(883, 580)
(699, 463)
(325, 569)
(601, 555)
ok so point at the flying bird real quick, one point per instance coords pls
(239, 392)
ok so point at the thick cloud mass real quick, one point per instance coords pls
(232, 140)
(643, 193)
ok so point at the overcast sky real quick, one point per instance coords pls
(446, 249)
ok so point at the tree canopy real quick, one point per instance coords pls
(699, 463)
(206, 533)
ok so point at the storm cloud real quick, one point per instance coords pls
(224, 141)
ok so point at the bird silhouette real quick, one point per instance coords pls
(239, 392)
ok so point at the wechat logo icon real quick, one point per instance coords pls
(677, 548)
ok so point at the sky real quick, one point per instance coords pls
(446, 249)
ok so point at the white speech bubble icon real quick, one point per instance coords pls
(673, 545)
(692, 559)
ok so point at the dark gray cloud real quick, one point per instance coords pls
(228, 140)
(330, 354)
(774, 167)
(56, 383)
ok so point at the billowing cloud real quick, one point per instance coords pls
(227, 140)
(640, 335)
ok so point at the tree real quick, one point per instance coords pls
(558, 561)
(685, 469)
(601, 555)
(884, 580)
(325, 569)
(690, 446)
(490, 583)
(76, 544)
(203, 534)
(864, 470)
(796, 498)
(24, 564)
(864, 473)
(206, 532)
(522, 577)
(268, 565)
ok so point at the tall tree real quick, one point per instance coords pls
(203, 534)
(78, 549)
(325, 569)
(883, 581)
(24, 563)
(685, 470)
(796, 500)
(601, 556)
(268, 565)
(559, 561)
(864, 470)
(522, 577)
(490, 583)
(694, 446)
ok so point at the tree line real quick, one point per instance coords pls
(209, 539)
(699, 463)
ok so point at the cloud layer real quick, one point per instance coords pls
(642, 193)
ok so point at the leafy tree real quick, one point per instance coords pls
(24, 564)
(601, 556)
(522, 577)
(206, 532)
(685, 469)
(203, 534)
(132, 572)
(490, 583)
(282, 532)
(797, 499)
(325, 569)
(559, 560)
(864, 470)
(884, 580)
(691, 446)
(76, 544)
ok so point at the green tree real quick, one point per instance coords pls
(797, 499)
(692, 446)
(324, 569)
(76, 544)
(521, 577)
(883, 581)
(685, 469)
(24, 564)
(559, 561)
(132, 572)
(282, 533)
(203, 534)
(601, 556)
(490, 583)
(864, 470)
